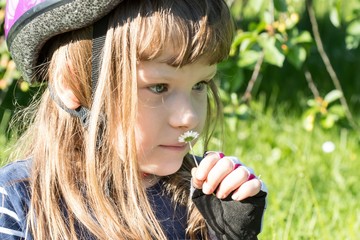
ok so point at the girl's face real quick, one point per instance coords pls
(171, 101)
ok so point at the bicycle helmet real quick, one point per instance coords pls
(29, 24)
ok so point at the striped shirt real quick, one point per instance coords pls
(15, 200)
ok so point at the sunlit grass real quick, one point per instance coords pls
(312, 194)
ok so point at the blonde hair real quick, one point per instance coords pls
(99, 185)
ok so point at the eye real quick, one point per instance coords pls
(200, 86)
(158, 88)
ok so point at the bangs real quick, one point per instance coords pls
(182, 32)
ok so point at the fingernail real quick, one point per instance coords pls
(220, 195)
(236, 165)
(206, 188)
(220, 154)
(237, 196)
(206, 153)
(200, 175)
(251, 176)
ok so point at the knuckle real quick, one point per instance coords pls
(243, 173)
(257, 184)
(227, 164)
(212, 157)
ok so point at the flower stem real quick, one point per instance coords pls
(196, 163)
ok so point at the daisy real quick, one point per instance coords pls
(328, 147)
(188, 137)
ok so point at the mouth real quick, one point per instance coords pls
(174, 147)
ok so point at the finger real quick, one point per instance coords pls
(206, 164)
(221, 169)
(195, 182)
(232, 182)
(247, 189)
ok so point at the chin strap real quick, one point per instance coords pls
(99, 35)
(81, 112)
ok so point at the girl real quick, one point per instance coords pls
(125, 80)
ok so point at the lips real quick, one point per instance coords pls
(175, 147)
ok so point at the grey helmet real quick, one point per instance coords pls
(29, 24)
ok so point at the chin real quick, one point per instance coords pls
(166, 170)
(162, 166)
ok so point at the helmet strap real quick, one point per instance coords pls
(81, 112)
(99, 35)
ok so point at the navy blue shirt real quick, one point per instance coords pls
(15, 200)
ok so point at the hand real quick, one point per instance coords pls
(222, 176)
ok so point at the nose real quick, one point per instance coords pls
(183, 112)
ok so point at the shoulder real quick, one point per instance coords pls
(14, 199)
(14, 180)
(15, 172)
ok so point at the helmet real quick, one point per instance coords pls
(29, 24)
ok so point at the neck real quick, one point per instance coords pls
(149, 180)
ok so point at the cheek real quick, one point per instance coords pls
(143, 126)
(147, 127)
(201, 110)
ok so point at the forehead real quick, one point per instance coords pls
(199, 70)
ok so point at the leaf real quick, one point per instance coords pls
(224, 97)
(335, 17)
(304, 37)
(352, 42)
(234, 99)
(255, 5)
(337, 110)
(240, 37)
(308, 121)
(329, 121)
(311, 103)
(354, 28)
(280, 5)
(333, 96)
(243, 109)
(272, 54)
(248, 58)
(297, 56)
(231, 123)
(247, 43)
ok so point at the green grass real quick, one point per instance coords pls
(5, 148)
(312, 194)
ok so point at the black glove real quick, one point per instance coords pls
(229, 219)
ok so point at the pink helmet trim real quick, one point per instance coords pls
(31, 23)
(15, 9)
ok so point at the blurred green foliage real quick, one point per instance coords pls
(277, 37)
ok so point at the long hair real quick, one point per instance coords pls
(77, 183)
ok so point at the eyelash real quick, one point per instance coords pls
(154, 89)
(164, 87)
(204, 85)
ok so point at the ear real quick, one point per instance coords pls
(67, 96)
(64, 92)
